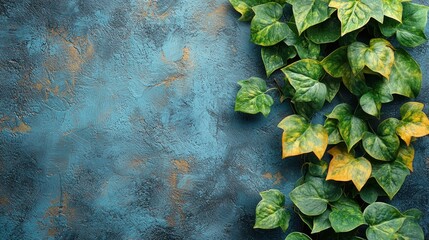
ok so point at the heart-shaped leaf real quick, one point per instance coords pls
(276, 57)
(337, 65)
(313, 196)
(390, 176)
(384, 145)
(266, 28)
(299, 137)
(411, 32)
(345, 167)
(270, 212)
(251, 98)
(331, 126)
(406, 76)
(378, 56)
(354, 14)
(414, 122)
(321, 222)
(346, 215)
(371, 191)
(351, 127)
(308, 13)
(305, 76)
(305, 48)
(384, 221)
(410, 230)
(326, 32)
(297, 236)
(371, 101)
(245, 7)
(332, 86)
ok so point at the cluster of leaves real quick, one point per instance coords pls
(320, 46)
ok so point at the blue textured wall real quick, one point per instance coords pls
(117, 122)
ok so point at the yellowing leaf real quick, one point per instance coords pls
(414, 122)
(406, 156)
(301, 137)
(345, 167)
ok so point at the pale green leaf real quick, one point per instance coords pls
(270, 212)
(308, 13)
(346, 215)
(251, 98)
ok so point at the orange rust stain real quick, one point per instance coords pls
(21, 128)
(59, 208)
(150, 9)
(279, 177)
(268, 175)
(15, 125)
(214, 21)
(4, 201)
(170, 79)
(176, 196)
(137, 162)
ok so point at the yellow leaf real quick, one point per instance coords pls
(414, 122)
(345, 167)
(299, 137)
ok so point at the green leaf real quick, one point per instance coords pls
(304, 76)
(371, 191)
(413, 213)
(331, 126)
(406, 76)
(299, 137)
(270, 212)
(390, 176)
(354, 14)
(266, 28)
(332, 86)
(410, 230)
(251, 98)
(305, 48)
(245, 7)
(276, 57)
(326, 32)
(384, 221)
(414, 122)
(372, 101)
(337, 65)
(313, 196)
(308, 13)
(318, 168)
(393, 9)
(384, 145)
(297, 236)
(351, 127)
(321, 222)
(346, 215)
(345, 167)
(411, 32)
(378, 56)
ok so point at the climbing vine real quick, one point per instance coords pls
(357, 155)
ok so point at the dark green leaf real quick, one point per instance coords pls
(331, 125)
(266, 28)
(411, 32)
(326, 32)
(354, 14)
(318, 168)
(308, 13)
(351, 127)
(384, 145)
(410, 230)
(304, 76)
(406, 76)
(371, 101)
(413, 213)
(297, 236)
(270, 212)
(371, 191)
(346, 215)
(321, 222)
(390, 176)
(332, 86)
(384, 221)
(276, 57)
(251, 98)
(313, 196)
(304, 47)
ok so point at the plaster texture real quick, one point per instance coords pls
(117, 122)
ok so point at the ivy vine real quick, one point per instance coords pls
(320, 46)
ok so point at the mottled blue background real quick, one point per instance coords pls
(117, 122)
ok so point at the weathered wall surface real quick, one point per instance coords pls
(117, 122)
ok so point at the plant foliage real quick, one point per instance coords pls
(319, 46)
